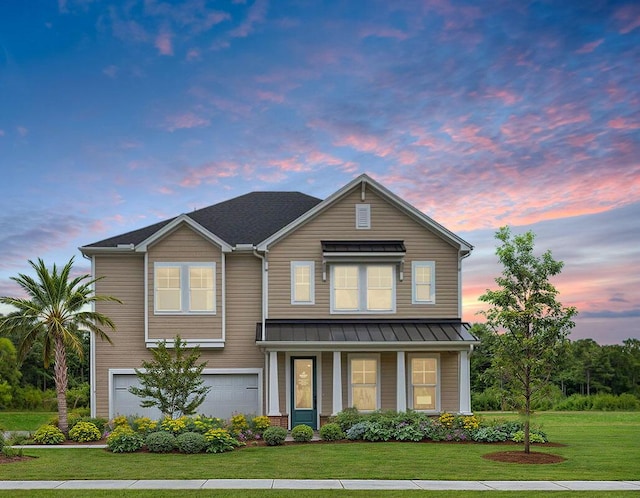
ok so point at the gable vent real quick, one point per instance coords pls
(363, 216)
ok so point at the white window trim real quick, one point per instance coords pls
(363, 216)
(364, 356)
(435, 356)
(312, 269)
(184, 287)
(362, 290)
(414, 295)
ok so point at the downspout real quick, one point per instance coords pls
(265, 289)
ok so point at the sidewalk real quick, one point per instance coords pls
(352, 484)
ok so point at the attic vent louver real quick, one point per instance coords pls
(363, 216)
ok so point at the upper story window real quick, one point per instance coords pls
(363, 288)
(185, 288)
(302, 282)
(423, 277)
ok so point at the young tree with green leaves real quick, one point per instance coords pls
(172, 381)
(529, 323)
(55, 313)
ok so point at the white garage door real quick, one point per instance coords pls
(229, 394)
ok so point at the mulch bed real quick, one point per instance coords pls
(533, 457)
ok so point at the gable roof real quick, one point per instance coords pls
(247, 219)
(363, 181)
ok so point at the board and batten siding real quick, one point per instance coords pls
(388, 222)
(184, 245)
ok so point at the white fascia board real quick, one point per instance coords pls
(169, 227)
(363, 180)
(91, 251)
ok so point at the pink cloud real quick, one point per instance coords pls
(628, 18)
(507, 96)
(185, 121)
(209, 173)
(289, 164)
(364, 143)
(623, 124)
(589, 47)
(193, 54)
(471, 134)
(581, 141)
(164, 43)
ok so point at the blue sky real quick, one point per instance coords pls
(115, 115)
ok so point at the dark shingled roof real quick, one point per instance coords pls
(248, 219)
(365, 330)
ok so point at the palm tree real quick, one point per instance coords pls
(55, 314)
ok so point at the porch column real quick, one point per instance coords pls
(465, 383)
(401, 383)
(337, 383)
(274, 395)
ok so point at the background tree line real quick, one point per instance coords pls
(585, 369)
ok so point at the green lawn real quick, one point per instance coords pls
(24, 421)
(599, 446)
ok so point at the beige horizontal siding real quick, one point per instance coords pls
(184, 245)
(449, 385)
(337, 223)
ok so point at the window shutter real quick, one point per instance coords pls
(363, 216)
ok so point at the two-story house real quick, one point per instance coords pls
(301, 306)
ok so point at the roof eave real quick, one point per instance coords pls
(366, 345)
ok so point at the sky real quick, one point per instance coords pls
(117, 114)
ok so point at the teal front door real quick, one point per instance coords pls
(304, 408)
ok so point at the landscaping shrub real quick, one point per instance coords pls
(202, 423)
(238, 424)
(260, 424)
(356, 431)
(275, 436)
(78, 396)
(405, 431)
(489, 435)
(124, 440)
(302, 433)
(144, 425)
(2, 442)
(535, 436)
(331, 432)
(10, 452)
(347, 418)
(220, 440)
(160, 442)
(175, 425)
(100, 423)
(48, 434)
(191, 442)
(85, 431)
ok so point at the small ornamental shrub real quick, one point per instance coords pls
(219, 441)
(100, 423)
(144, 425)
(535, 436)
(85, 431)
(408, 432)
(202, 424)
(378, 431)
(275, 436)
(2, 442)
(175, 425)
(302, 433)
(119, 421)
(347, 418)
(124, 440)
(489, 435)
(48, 434)
(468, 422)
(260, 424)
(191, 442)
(239, 424)
(10, 452)
(160, 442)
(446, 419)
(356, 431)
(331, 432)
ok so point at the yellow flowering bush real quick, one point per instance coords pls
(260, 423)
(446, 419)
(119, 421)
(470, 422)
(239, 424)
(175, 425)
(145, 425)
(202, 423)
(219, 440)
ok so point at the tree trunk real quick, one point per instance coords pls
(527, 412)
(61, 377)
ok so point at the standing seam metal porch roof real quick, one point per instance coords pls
(366, 330)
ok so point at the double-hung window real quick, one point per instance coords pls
(185, 288)
(424, 383)
(423, 276)
(302, 282)
(363, 288)
(364, 393)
